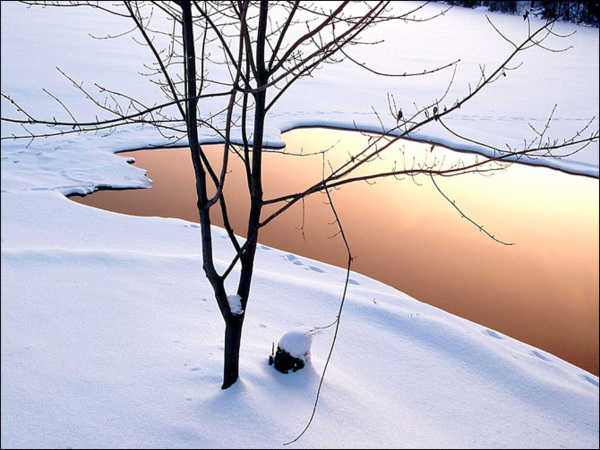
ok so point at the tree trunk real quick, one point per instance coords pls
(233, 338)
(233, 324)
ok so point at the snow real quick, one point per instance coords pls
(235, 304)
(111, 337)
(297, 343)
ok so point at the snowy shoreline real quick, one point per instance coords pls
(111, 337)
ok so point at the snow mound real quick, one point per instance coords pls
(297, 343)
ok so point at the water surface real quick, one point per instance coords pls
(542, 290)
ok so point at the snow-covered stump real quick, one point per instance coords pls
(293, 350)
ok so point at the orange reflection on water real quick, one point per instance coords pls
(542, 290)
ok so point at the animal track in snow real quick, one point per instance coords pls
(297, 262)
(493, 334)
(539, 355)
(590, 380)
(294, 259)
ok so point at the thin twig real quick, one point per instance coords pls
(337, 321)
(464, 216)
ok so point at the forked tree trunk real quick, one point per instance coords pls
(233, 322)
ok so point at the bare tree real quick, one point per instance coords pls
(248, 54)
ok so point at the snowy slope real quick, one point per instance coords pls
(111, 337)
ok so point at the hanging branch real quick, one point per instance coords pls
(339, 315)
(465, 216)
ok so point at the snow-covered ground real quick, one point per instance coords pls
(111, 337)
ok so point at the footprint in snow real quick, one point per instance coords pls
(294, 259)
(297, 262)
(590, 380)
(539, 355)
(493, 334)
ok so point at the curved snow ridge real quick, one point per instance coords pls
(567, 164)
(502, 360)
(97, 256)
